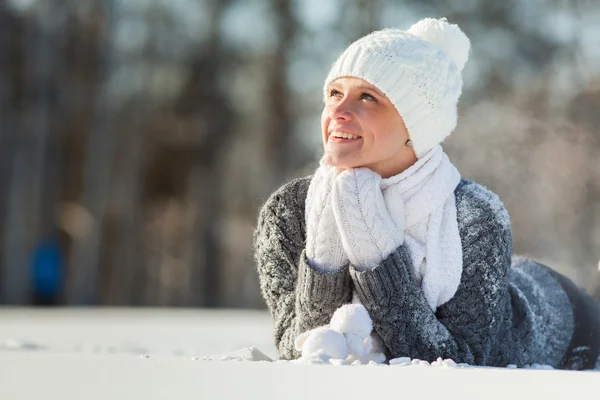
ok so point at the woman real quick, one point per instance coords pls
(386, 216)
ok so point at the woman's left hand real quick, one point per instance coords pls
(367, 231)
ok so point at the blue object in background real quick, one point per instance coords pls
(48, 271)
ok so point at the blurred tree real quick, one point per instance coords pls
(280, 117)
(14, 288)
(208, 102)
(30, 199)
(99, 155)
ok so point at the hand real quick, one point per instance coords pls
(367, 231)
(324, 248)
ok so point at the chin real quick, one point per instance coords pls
(344, 164)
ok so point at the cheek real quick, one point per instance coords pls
(387, 140)
(324, 123)
(324, 117)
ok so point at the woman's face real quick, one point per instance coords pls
(361, 128)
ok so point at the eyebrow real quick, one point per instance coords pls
(359, 87)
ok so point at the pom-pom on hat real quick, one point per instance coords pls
(419, 70)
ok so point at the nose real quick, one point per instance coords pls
(340, 112)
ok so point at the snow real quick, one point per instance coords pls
(346, 337)
(352, 318)
(214, 354)
(323, 339)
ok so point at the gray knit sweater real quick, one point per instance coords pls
(498, 316)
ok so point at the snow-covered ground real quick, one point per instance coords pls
(164, 353)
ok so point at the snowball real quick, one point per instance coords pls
(352, 318)
(379, 358)
(330, 342)
(374, 363)
(447, 363)
(422, 363)
(348, 336)
(299, 342)
(446, 36)
(402, 364)
(400, 361)
(357, 345)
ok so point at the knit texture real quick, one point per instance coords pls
(493, 319)
(368, 233)
(323, 243)
(419, 70)
(421, 199)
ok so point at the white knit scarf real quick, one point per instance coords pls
(421, 200)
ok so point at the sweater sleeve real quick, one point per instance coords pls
(465, 328)
(298, 297)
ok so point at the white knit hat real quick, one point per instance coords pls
(419, 70)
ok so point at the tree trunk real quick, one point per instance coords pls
(125, 261)
(85, 260)
(205, 178)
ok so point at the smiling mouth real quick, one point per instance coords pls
(344, 135)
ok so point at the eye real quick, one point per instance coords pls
(367, 96)
(334, 92)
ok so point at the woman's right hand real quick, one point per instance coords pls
(324, 248)
(368, 233)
